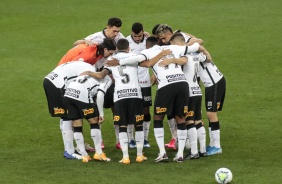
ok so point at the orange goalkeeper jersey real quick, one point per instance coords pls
(81, 52)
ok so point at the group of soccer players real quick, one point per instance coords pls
(107, 70)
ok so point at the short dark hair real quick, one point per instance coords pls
(154, 30)
(137, 27)
(114, 21)
(122, 44)
(177, 36)
(107, 43)
(151, 41)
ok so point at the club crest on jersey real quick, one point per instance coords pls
(116, 118)
(88, 111)
(139, 118)
(59, 110)
(160, 110)
(209, 103)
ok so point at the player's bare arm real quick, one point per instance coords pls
(87, 42)
(155, 59)
(195, 40)
(167, 61)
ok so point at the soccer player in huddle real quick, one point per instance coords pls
(112, 31)
(137, 43)
(79, 97)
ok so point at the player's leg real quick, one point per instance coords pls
(120, 118)
(173, 131)
(214, 102)
(180, 109)
(147, 102)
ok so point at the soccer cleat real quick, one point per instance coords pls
(125, 161)
(86, 158)
(161, 158)
(101, 157)
(214, 151)
(171, 144)
(77, 156)
(132, 144)
(192, 156)
(141, 158)
(68, 156)
(146, 144)
(64, 153)
(208, 148)
(203, 154)
(88, 148)
(118, 146)
(178, 159)
(102, 145)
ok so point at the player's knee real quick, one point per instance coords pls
(77, 129)
(158, 124)
(123, 129)
(95, 126)
(139, 128)
(181, 126)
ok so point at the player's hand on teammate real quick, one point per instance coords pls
(101, 119)
(112, 62)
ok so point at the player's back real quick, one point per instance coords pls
(126, 79)
(71, 70)
(209, 73)
(98, 37)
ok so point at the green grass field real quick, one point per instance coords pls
(243, 38)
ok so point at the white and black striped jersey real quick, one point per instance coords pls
(85, 88)
(99, 37)
(208, 72)
(126, 78)
(190, 70)
(65, 73)
(143, 72)
(171, 73)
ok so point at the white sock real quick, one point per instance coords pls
(202, 139)
(68, 135)
(216, 138)
(146, 127)
(159, 135)
(62, 131)
(130, 132)
(117, 133)
(193, 137)
(123, 139)
(172, 128)
(78, 137)
(101, 133)
(181, 137)
(96, 137)
(211, 138)
(139, 137)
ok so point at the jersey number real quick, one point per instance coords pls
(125, 76)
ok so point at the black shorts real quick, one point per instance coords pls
(128, 111)
(172, 99)
(109, 97)
(215, 95)
(147, 96)
(55, 99)
(80, 110)
(194, 108)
